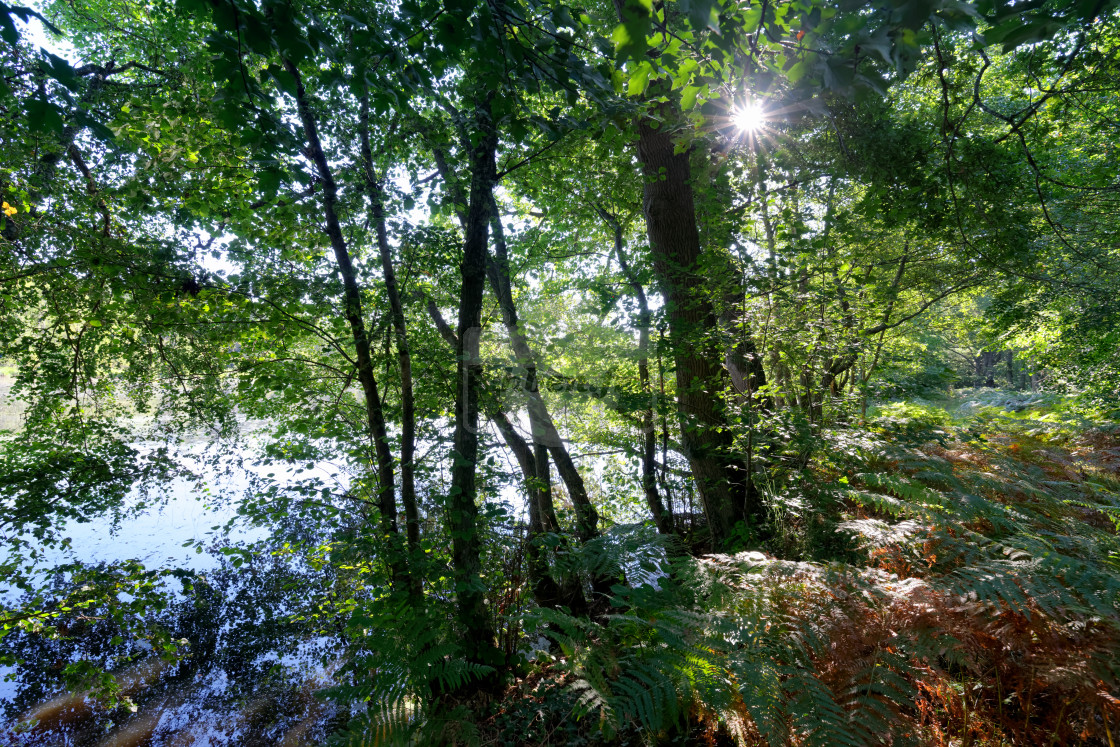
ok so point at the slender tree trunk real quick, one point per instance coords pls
(988, 360)
(662, 517)
(542, 513)
(404, 355)
(664, 427)
(544, 430)
(540, 422)
(352, 310)
(744, 367)
(546, 437)
(546, 591)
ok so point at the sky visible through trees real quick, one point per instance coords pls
(691, 372)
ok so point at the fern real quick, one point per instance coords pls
(831, 654)
(403, 660)
(969, 565)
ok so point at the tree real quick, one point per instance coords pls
(270, 210)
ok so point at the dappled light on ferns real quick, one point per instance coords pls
(984, 596)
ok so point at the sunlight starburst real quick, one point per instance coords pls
(749, 117)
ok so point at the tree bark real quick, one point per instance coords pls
(661, 517)
(540, 422)
(473, 614)
(744, 367)
(352, 310)
(674, 238)
(542, 513)
(404, 354)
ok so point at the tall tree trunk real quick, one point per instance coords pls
(540, 422)
(404, 354)
(985, 368)
(352, 310)
(665, 429)
(474, 616)
(661, 517)
(674, 239)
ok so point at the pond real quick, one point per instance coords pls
(245, 674)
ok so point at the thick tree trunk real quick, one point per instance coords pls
(985, 368)
(693, 328)
(352, 310)
(473, 614)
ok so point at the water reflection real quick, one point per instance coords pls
(229, 665)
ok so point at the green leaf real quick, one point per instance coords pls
(638, 79)
(44, 116)
(102, 132)
(799, 70)
(269, 180)
(688, 97)
(703, 15)
(631, 36)
(8, 29)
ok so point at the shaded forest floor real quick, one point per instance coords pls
(946, 575)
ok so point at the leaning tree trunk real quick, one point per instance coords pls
(542, 513)
(404, 356)
(352, 310)
(543, 428)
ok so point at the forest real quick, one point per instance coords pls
(646, 372)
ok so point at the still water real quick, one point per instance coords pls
(235, 687)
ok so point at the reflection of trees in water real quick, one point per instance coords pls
(244, 673)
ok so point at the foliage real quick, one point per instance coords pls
(657, 430)
(970, 553)
(912, 422)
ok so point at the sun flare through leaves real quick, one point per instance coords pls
(749, 117)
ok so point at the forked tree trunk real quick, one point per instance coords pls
(543, 429)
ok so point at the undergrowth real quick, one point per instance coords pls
(972, 597)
